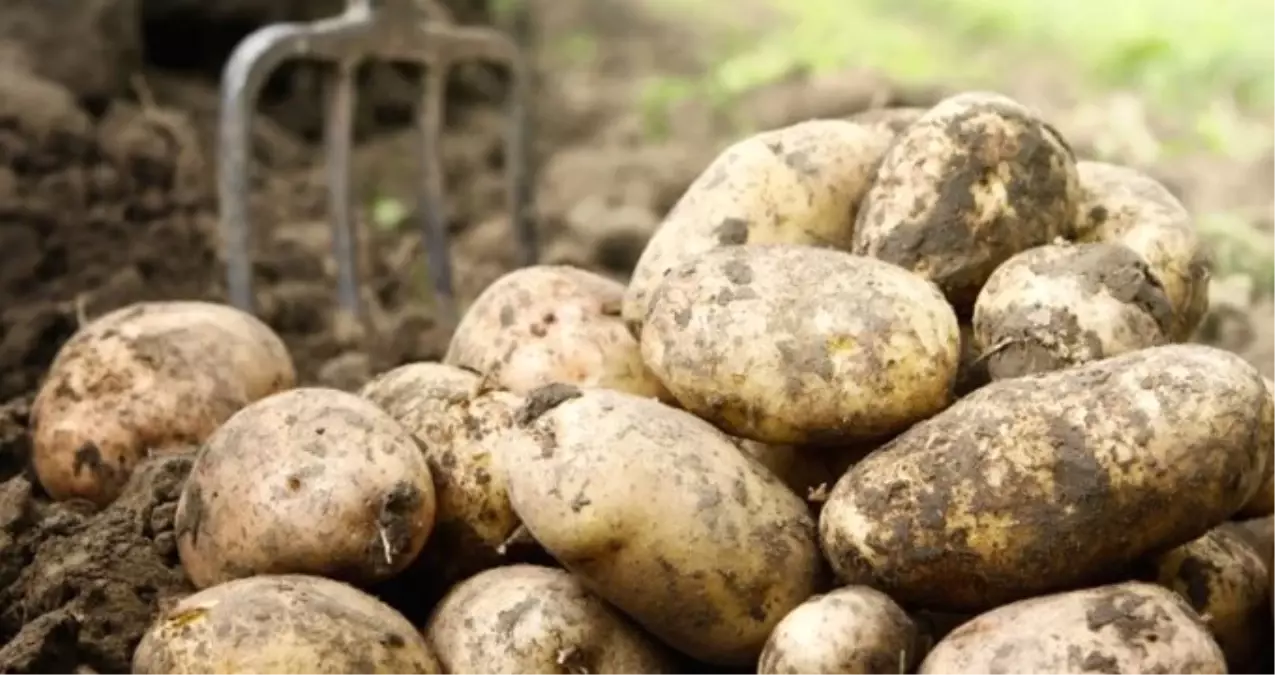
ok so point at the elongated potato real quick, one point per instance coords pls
(975, 180)
(144, 378)
(660, 514)
(533, 619)
(795, 344)
(1105, 462)
(849, 630)
(801, 184)
(1061, 305)
(1263, 503)
(1130, 627)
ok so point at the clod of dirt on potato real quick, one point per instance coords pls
(145, 378)
(1107, 461)
(976, 179)
(1263, 503)
(1130, 627)
(800, 184)
(1061, 305)
(854, 629)
(660, 514)
(289, 623)
(309, 481)
(782, 343)
(533, 619)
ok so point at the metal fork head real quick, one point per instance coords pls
(420, 32)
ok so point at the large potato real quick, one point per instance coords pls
(551, 323)
(1263, 503)
(532, 619)
(796, 344)
(1046, 482)
(849, 630)
(1061, 305)
(660, 514)
(975, 180)
(282, 624)
(309, 481)
(1125, 206)
(1130, 627)
(801, 184)
(144, 378)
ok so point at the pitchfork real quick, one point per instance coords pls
(413, 31)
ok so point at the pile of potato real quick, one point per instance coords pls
(903, 393)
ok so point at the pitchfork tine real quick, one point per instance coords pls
(434, 234)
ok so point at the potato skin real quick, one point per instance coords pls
(976, 179)
(787, 344)
(854, 629)
(282, 624)
(1263, 503)
(147, 377)
(309, 481)
(1061, 305)
(1107, 461)
(533, 619)
(660, 514)
(1130, 627)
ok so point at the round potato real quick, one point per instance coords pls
(850, 630)
(796, 344)
(975, 180)
(145, 378)
(800, 184)
(1107, 461)
(551, 323)
(1061, 305)
(1129, 627)
(1263, 503)
(309, 481)
(533, 619)
(660, 514)
(288, 623)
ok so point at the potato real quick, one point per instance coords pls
(1263, 503)
(551, 323)
(1260, 534)
(796, 344)
(309, 481)
(1129, 627)
(850, 630)
(1048, 482)
(1125, 206)
(145, 378)
(287, 623)
(661, 515)
(800, 184)
(975, 180)
(1061, 305)
(533, 619)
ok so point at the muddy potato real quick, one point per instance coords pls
(309, 481)
(975, 180)
(849, 630)
(800, 184)
(1061, 305)
(1263, 503)
(140, 379)
(1129, 627)
(660, 514)
(287, 623)
(1107, 461)
(797, 344)
(1260, 534)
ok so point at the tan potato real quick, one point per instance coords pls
(551, 323)
(1260, 534)
(660, 514)
(796, 344)
(310, 481)
(145, 378)
(287, 623)
(800, 184)
(975, 180)
(1124, 206)
(533, 619)
(1263, 503)
(1106, 462)
(1130, 627)
(1061, 305)
(854, 629)
(895, 120)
